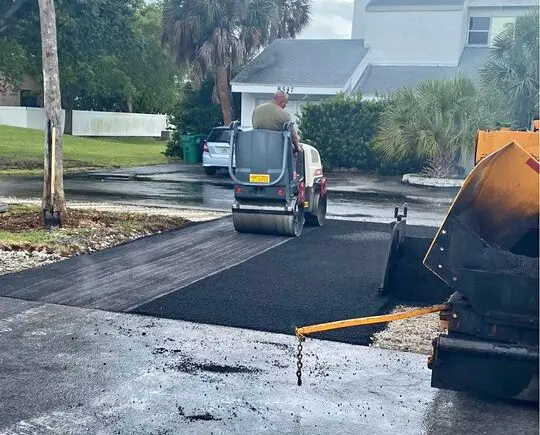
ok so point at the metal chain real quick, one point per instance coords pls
(299, 361)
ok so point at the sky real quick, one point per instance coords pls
(330, 19)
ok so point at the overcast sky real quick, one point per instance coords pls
(330, 19)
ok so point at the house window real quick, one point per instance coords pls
(498, 25)
(479, 30)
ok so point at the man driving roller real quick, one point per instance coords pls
(272, 116)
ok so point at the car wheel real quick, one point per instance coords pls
(210, 170)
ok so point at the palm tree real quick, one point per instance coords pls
(436, 122)
(216, 36)
(512, 67)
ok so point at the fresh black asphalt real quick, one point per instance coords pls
(330, 273)
(123, 277)
(208, 273)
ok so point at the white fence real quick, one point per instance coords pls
(25, 117)
(88, 123)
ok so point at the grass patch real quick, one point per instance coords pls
(21, 151)
(33, 237)
(21, 228)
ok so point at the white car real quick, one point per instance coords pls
(216, 150)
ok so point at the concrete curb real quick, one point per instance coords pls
(421, 180)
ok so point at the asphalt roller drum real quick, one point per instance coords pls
(282, 224)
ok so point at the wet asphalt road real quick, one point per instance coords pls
(352, 197)
(77, 359)
(208, 273)
(73, 371)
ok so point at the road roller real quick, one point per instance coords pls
(276, 190)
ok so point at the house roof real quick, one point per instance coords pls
(385, 79)
(305, 62)
(377, 3)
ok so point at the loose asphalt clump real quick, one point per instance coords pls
(191, 367)
(202, 417)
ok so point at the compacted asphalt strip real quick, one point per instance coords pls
(330, 273)
(209, 273)
(125, 276)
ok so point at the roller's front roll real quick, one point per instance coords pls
(261, 223)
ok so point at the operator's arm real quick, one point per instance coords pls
(294, 134)
(295, 139)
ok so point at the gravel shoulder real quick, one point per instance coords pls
(409, 335)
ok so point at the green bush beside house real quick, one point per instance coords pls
(344, 129)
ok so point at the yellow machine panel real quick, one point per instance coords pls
(500, 197)
(487, 142)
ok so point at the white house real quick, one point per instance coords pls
(394, 44)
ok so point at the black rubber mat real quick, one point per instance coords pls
(327, 274)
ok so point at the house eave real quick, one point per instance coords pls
(414, 8)
(259, 88)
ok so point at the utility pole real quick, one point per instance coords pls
(54, 204)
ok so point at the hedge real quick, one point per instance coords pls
(343, 129)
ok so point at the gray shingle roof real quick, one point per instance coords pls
(377, 3)
(305, 62)
(385, 79)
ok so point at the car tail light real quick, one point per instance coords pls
(205, 146)
(281, 191)
(238, 189)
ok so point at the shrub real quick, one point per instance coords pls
(195, 113)
(342, 128)
(435, 123)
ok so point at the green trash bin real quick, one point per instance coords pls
(191, 148)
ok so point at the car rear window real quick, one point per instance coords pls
(219, 135)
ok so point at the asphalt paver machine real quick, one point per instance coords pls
(276, 191)
(484, 260)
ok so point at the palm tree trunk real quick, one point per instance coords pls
(53, 199)
(224, 94)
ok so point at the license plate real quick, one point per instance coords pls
(259, 178)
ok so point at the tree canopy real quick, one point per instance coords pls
(214, 37)
(110, 54)
(512, 67)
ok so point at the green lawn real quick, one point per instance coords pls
(21, 151)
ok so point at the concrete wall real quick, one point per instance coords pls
(89, 123)
(25, 117)
(408, 37)
(359, 19)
